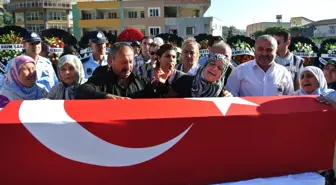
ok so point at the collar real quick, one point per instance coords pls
(104, 61)
(255, 64)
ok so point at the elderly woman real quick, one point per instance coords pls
(208, 81)
(189, 57)
(20, 82)
(71, 73)
(329, 71)
(312, 82)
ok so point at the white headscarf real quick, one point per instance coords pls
(69, 91)
(322, 83)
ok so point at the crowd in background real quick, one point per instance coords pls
(151, 68)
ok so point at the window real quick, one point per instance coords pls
(153, 12)
(132, 14)
(86, 16)
(190, 30)
(19, 17)
(142, 14)
(59, 26)
(35, 27)
(100, 15)
(57, 15)
(154, 30)
(112, 15)
(332, 29)
(33, 16)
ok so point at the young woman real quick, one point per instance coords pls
(71, 73)
(20, 82)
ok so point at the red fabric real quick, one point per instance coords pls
(129, 35)
(280, 136)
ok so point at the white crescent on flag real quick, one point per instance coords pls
(49, 123)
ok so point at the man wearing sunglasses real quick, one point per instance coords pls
(285, 58)
(150, 64)
(46, 75)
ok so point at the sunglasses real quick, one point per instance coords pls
(152, 53)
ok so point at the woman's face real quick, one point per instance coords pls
(329, 72)
(27, 74)
(190, 54)
(168, 61)
(68, 74)
(308, 82)
(213, 71)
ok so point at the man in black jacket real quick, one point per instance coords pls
(116, 81)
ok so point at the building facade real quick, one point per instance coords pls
(37, 15)
(152, 17)
(250, 29)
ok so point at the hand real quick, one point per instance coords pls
(227, 93)
(114, 97)
(322, 99)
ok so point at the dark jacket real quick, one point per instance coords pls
(181, 86)
(104, 81)
(332, 86)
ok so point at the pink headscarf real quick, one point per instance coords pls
(14, 72)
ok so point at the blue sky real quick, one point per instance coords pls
(240, 13)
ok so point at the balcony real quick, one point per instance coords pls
(187, 2)
(98, 23)
(62, 4)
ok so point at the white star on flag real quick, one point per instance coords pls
(223, 104)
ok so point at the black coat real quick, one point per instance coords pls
(104, 81)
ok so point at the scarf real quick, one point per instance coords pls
(68, 91)
(14, 85)
(202, 88)
(322, 83)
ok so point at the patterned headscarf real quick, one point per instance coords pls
(69, 91)
(13, 84)
(201, 87)
(322, 83)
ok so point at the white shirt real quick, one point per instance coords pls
(248, 79)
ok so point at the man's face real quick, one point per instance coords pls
(282, 44)
(122, 64)
(265, 52)
(224, 51)
(145, 45)
(98, 48)
(152, 53)
(33, 48)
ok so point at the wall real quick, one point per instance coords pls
(198, 23)
(323, 31)
(217, 27)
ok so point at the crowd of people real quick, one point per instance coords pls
(151, 68)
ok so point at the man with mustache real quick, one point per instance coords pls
(98, 58)
(46, 75)
(116, 81)
(262, 76)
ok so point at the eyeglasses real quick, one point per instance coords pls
(152, 53)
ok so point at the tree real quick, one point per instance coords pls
(232, 31)
(268, 31)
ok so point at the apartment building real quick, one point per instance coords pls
(152, 17)
(37, 15)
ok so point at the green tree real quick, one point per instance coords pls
(232, 31)
(268, 31)
(257, 34)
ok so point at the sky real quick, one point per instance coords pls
(240, 13)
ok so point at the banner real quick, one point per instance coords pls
(56, 50)
(11, 46)
(309, 55)
(328, 56)
(176, 141)
(204, 52)
(242, 52)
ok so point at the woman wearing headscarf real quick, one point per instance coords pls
(312, 82)
(20, 82)
(71, 73)
(329, 71)
(208, 81)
